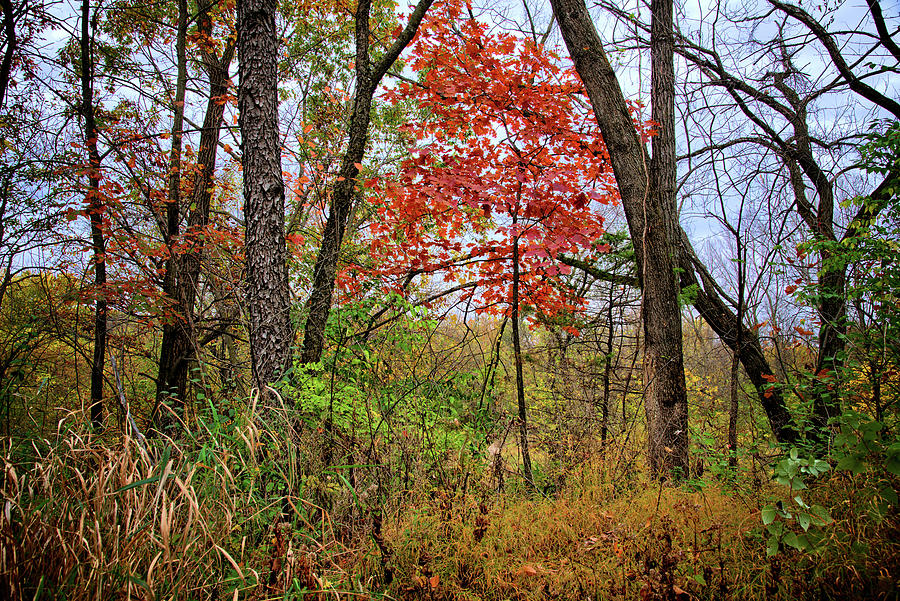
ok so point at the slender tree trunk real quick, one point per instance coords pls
(520, 379)
(9, 29)
(735, 360)
(733, 410)
(739, 339)
(268, 297)
(95, 207)
(368, 76)
(169, 354)
(494, 360)
(607, 371)
(179, 340)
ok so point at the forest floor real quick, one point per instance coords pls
(245, 512)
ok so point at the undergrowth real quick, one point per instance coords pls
(239, 510)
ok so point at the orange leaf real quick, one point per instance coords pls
(434, 581)
(790, 289)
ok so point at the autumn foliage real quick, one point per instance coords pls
(506, 150)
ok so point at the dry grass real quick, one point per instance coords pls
(595, 541)
(89, 517)
(241, 511)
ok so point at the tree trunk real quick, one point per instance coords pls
(733, 410)
(268, 298)
(368, 77)
(663, 357)
(95, 212)
(740, 340)
(607, 372)
(9, 29)
(520, 379)
(179, 339)
(169, 355)
(650, 210)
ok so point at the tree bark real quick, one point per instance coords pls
(520, 378)
(179, 341)
(368, 76)
(169, 355)
(9, 28)
(664, 358)
(268, 298)
(95, 208)
(648, 200)
(607, 372)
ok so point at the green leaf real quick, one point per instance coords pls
(768, 514)
(791, 539)
(149, 480)
(852, 464)
(888, 493)
(892, 464)
(803, 519)
(699, 579)
(772, 547)
(819, 512)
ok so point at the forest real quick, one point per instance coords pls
(449, 300)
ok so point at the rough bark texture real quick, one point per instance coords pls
(178, 347)
(663, 358)
(368, 76)
(268, 300)
(169, 355)
(95, 213)
(654, 240)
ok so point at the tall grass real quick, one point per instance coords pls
(100, 517)
(244, 507)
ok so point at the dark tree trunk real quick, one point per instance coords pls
(650, 212)
(520, 378)
(733, 409)
(95, 212)
(268, 299)
(9, 29)
(169, 355)
(739, 328)
(368, 76)
(180, 339)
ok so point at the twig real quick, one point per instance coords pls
(137, 432)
